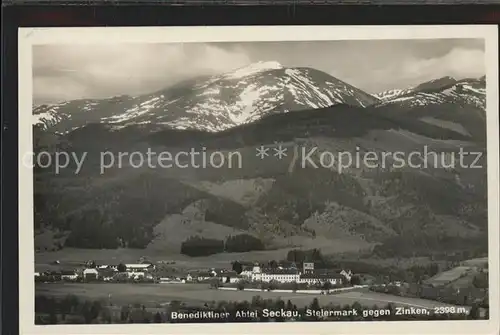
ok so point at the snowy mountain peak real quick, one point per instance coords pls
(445, 84)
(211, 104)
(253, 69)
(440, 91)
(445, 78)
(435, 84)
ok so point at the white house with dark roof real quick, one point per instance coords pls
(308, 267)
(347, 274)
(69, 275)
(90, 273)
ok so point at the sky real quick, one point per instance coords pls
(67, 72)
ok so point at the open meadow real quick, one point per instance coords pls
(159, 294)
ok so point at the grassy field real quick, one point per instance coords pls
(449, 276)
(479, 262)
(463, 282)
(157, 294)
(463, 276)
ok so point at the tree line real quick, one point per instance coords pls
(310, 255)
(196, 246)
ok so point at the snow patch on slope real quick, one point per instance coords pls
(250, 95)
(253, 69)
(460, 93)
(136, 111)
(307, 89)
(391, 94)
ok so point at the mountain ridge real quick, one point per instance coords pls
(434, 85)
(368, 203)
(449, 103)
(213, 104)
(281, 205)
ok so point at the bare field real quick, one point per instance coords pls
(156, 294)
(449, 276)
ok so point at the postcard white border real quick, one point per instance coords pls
(39, 36)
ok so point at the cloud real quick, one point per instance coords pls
(458, 63)
(72, 72)
(66, 72)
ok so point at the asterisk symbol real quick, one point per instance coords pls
(280, 152)
(262, 152)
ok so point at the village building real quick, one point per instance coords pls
(69, 275)
(279, 275)
(90, 274)
(308, 274)
(108, 267)
(321, 278)
(140, 267)
(307, 268)
(203, 276)
(176, 278)
(136, 274)
(247, 272)
(218, 271)
(347, 274)
(230, 277)
(55, 275)
(287, 265)
(106, 274)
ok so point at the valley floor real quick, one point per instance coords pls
(158, 294)
(71, 257)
